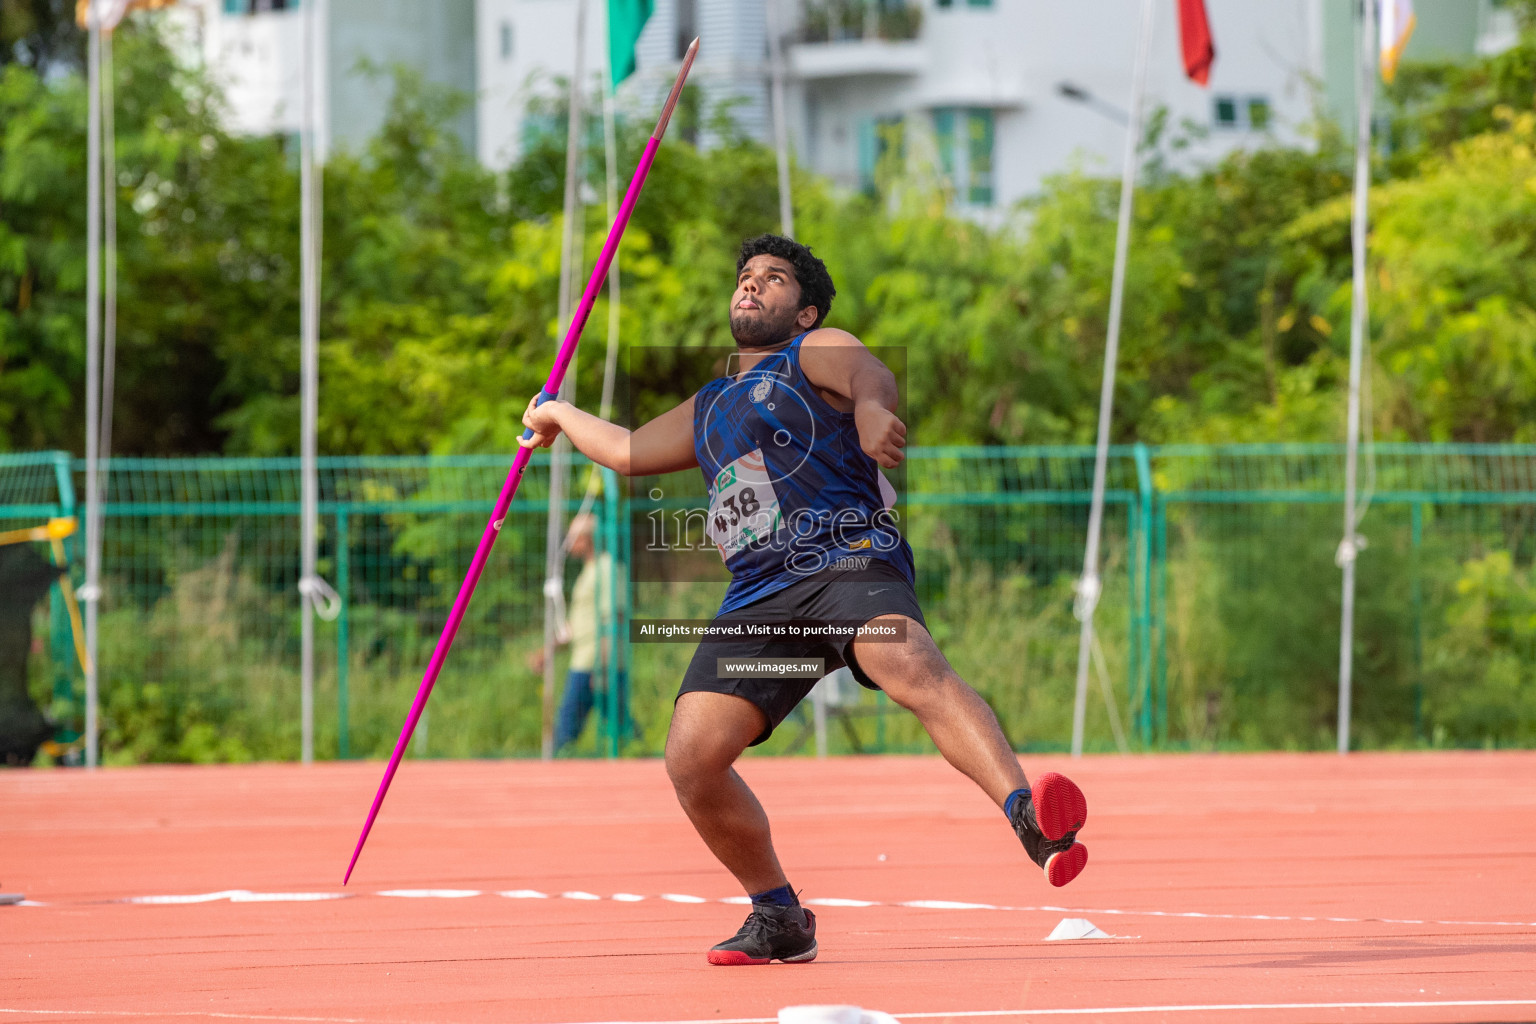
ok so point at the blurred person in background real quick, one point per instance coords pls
(590, 606)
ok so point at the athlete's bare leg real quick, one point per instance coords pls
(918, 677)
(709, 731)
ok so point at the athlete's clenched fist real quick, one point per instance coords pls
(882, 435)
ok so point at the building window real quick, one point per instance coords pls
(687, 26)
(259, 6)
(506, 40)
(540, 127)
(966, 139)
(878, 137)
(1241, 113)
(1258, 113)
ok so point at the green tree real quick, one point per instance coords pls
(40, 35)
(207, 255)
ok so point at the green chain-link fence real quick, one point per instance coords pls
(1218, 625)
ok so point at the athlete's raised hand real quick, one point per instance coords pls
(543, 420)
(882, 435)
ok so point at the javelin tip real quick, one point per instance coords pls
(677, 89)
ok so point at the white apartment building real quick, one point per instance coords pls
(1001, 94)
(527, 49)
(994, 95)
(255, 48)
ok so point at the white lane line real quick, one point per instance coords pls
(1084, 1011)
(192, 1014)
(1268, 917)
(287, 897)
(240, 896)
(246, 896)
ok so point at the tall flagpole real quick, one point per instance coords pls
(309, 380)
(90, 593)
(611, 180)
(1090, 586)
(554, 537)
(780, 119)
(1350, 545)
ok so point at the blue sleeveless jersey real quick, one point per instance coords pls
(791, 492)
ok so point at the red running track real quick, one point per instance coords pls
(1428, 860)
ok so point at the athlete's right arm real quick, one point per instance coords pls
(664, 445)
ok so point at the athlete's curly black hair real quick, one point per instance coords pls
(816, 288)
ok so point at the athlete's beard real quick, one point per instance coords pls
(764, 330)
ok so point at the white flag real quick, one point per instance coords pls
(1397, 21)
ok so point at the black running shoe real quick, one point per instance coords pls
(787, 934)
(1046, 822)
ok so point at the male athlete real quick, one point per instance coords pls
(791, 446)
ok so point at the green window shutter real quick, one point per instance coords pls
(944, 138)
(979, 144)
(869, 153)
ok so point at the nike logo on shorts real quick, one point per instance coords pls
(882, 590)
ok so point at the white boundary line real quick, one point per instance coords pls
(217, 1014)
(247, 896)
(1073, 1011)
(1083, 1011)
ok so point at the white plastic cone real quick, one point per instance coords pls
(1076, 928)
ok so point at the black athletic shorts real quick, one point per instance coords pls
(840, 596)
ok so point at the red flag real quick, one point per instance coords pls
(1195, 33)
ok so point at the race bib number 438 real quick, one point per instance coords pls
(743, 507)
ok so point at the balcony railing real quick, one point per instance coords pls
(835, 21)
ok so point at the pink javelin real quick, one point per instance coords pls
(520, 462)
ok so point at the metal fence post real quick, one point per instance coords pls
(343, 578)
(1141, 583)
(61, 647)
(1417, 539)
(1160, 612)
(1133, 530)
(610, 546)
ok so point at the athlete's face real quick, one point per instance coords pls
(765, 308)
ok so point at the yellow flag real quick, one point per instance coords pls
(1397, 21)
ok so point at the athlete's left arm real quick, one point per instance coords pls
(836, 361)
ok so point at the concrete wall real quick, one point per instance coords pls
(1445, 29)
(436, 37)
(1011, 58)
(540, 57)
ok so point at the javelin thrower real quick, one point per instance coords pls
(791, 448)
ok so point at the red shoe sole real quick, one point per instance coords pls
(1061, 868)
(736, 958)
(1059, 808)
